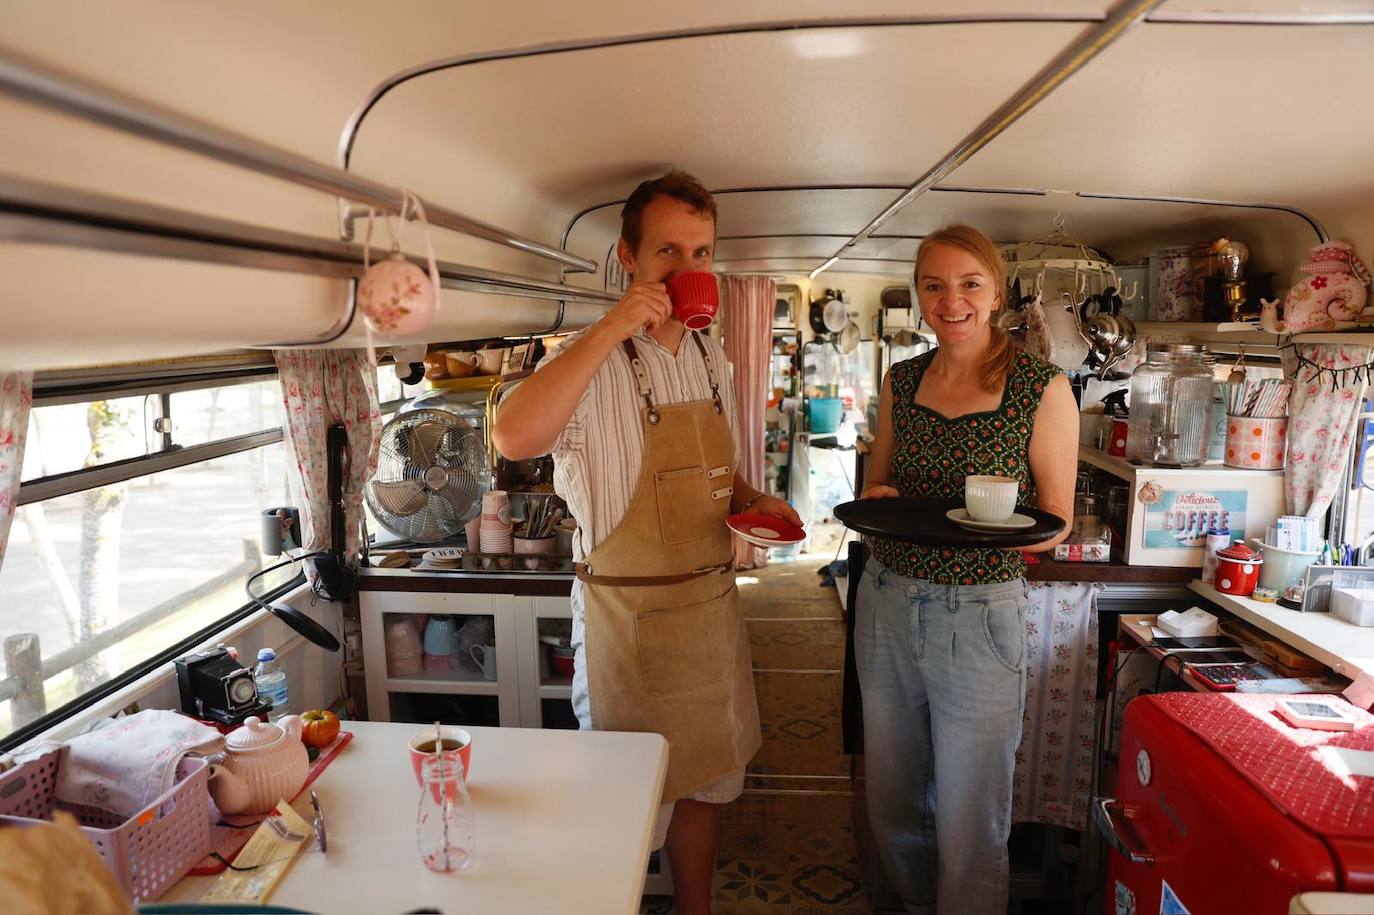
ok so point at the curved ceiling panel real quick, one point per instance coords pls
(773, 108)
(1245, 113)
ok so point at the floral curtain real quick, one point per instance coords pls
(749, 302)
(1053, 779)
(1322, 411)
(321, 387)
(16, 395)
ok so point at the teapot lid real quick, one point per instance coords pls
(254, 735)
(1239, 551)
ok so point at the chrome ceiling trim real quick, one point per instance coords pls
(1064, 65)
(40, 84)
(1299, 212)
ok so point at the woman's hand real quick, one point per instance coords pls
(774, 507)
(880, 491)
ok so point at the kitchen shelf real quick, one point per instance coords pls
(1124, 469)
(1244, 332)
(426, 681)
(556, 687)
(1344, 647)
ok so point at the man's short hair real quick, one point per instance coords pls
(675, 184)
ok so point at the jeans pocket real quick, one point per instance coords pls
(917, 627)
(1004, 625)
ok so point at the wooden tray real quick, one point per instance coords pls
(923, 521)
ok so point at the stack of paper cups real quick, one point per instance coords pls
(496, 524)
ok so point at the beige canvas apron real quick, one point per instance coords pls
(666, 645)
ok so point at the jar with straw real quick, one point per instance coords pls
(1256, 423)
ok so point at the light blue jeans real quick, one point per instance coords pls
(943, 674)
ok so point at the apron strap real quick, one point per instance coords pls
(710, 372)
(642, 379)
(584, 574)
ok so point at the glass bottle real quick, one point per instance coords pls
(445, 829)
(1171, 403)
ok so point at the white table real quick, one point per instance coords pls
(564, 821)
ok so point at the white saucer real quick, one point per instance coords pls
(443, 556)
(1015, 523)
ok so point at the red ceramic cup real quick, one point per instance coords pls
(450, 734)
(695, 298)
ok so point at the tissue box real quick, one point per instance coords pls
(1192, 622)
(1355, 604)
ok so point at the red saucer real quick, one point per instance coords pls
(765, 531)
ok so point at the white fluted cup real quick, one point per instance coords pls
(990, 498)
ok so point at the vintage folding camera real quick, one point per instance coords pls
(216, 687)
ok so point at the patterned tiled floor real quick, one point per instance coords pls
(787, 847)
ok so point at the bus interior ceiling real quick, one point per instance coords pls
(809, 121)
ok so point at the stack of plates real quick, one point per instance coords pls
(449, 557)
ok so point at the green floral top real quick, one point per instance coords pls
(931, 455)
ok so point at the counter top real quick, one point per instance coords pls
(551, 584)
(1342, 646)
(1048, 569)
(564, 820)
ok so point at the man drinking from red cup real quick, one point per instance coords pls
(639, 415)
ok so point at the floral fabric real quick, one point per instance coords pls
(748, 317)
(16, 396)
(1321, 424)
(1052, 782)
(931, 455)
(321, 387)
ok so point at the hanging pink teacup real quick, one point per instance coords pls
(394, 296)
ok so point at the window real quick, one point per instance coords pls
(102, 576)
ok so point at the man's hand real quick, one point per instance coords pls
(644, 305)
(880, 491)
(774, 507)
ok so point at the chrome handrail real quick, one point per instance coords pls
(1066, 63)
(31, 81)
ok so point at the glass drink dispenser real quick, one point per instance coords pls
(1171, 403)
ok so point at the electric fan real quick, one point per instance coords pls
(431, 473)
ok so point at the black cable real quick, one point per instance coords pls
(1160, 669)
(248, 585)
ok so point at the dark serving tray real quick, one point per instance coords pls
(923, 521)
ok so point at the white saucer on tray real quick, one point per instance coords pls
(960, 516)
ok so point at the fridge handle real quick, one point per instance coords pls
(1103, 810)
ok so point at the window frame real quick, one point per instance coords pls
(66, 388)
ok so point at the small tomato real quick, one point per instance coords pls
(319, 727)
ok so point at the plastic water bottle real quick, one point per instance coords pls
(271, 683)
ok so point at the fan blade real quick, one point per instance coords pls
(405, 497)
(465, 500)
(424, 439)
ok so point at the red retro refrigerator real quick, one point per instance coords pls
(1223, 807)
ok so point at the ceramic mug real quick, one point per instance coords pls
(457, 743)
(695, 298)
(489, 361)
(460, 365)
(990, 498)
(485, 656)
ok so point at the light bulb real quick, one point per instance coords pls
(1233, 256)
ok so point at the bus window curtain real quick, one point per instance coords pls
(16, 397)
(749, 302)
(321, 387)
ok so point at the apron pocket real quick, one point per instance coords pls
(685, 510)
(683, 648)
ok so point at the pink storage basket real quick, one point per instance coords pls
(148, 852)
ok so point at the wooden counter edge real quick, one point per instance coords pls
(1110, 572)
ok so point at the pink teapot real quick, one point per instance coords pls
(263, 763)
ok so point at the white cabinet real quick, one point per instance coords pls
(522, 676)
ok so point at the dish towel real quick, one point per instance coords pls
(1052, 782)
(127, 764)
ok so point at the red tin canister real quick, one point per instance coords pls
(1238, 569)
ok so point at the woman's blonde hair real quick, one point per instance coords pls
(1003, 351)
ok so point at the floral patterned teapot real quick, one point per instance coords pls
(263, 763)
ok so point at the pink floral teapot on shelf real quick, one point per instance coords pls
(263, 763)
(1330, 295)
